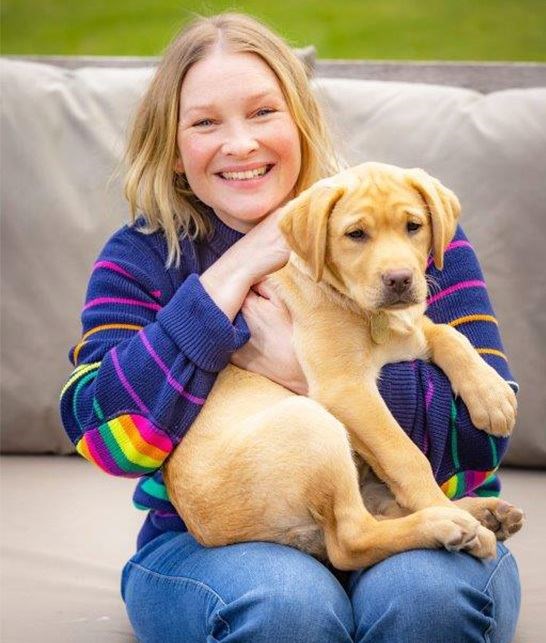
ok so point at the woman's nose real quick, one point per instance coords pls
(240, 142)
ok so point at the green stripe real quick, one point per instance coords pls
(454, 448)
(79, 372)
(116, 452)
(461, 485)
(494, 452)
(153, 488)
(98, 411)
(485, 490)
(141, 507)
(81, 383)
(487, 493)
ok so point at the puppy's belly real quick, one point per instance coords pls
(237, 476)
(236, 395)
(253, 461)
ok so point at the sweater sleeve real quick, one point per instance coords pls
(147, 359)
(464, 459)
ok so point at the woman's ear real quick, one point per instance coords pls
(179, 166)
(304, 224)
(444, 209)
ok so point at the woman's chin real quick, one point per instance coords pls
(242, 220)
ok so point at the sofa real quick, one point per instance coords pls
(67, 528)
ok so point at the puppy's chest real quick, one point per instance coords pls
(340, 327)
(396, 346)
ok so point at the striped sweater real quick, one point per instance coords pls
(153, 343)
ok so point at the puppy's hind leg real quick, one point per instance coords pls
(501, 517)
(353, 538)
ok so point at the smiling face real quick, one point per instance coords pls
(238, 144)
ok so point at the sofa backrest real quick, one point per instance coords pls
(63, 131)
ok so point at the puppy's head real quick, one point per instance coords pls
(368, 232)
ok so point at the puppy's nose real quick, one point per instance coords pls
(397, 281)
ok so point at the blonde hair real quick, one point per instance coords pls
(152, 187)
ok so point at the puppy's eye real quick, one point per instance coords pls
(413, 226)
(358, 235)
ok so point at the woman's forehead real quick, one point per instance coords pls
(223, 75)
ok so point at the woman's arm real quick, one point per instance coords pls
(260, 252)
(149, 356)
(464, 459)
(147, 359)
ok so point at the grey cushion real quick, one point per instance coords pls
(63, 586)
(62, 137)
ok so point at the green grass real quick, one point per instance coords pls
(373, 29)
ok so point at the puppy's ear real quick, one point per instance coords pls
(444, 209)
(304, 223)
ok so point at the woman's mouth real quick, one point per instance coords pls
(247, 175)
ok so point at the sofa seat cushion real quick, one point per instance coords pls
(68, 529)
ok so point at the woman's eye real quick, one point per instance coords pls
(358, 234)
(413, 226)
(264, 111)
(205, 122)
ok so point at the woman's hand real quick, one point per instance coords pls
(270, 351)
(263, 249)
(260, 252)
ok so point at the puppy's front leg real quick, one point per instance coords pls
(490, 400)
(379, 440)
(338, 369)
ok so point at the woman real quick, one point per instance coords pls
(227, 132)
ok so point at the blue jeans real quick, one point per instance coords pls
(176, 590)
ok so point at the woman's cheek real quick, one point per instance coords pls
(289, 149)
(187, 149)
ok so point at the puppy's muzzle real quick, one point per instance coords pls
(397, 282)
(397, 288)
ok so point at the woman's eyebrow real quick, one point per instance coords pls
(251, 98)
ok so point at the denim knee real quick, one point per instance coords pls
(306, 604)
(437, 596)
(176, 590)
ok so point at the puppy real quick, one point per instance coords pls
(261, 463)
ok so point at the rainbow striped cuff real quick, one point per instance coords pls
(128, 445)
(465, 482)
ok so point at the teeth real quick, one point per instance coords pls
(243, 176)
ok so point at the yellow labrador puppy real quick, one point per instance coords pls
(261, 463)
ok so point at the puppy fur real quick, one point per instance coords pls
(333, 474)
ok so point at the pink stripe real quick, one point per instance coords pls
(152, 435)
(165, 514)
(126, 384)
(452, 289)
(452, 246)
(110, 265)
(119, 300)
(429, 393)
(100, 454)
(170, 379)
(473, 480)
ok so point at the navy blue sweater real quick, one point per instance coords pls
(153, 343)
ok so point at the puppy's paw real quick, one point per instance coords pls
(485, 545)
(499, 516)
(457, 530)
(490, 401)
